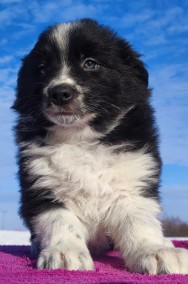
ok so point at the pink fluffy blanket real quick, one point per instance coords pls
(18, 266)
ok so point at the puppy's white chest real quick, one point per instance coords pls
(84, 169)
(94, 170)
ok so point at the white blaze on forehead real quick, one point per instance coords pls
(60, 37)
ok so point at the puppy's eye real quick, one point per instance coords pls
(41, 69)
(90, 64)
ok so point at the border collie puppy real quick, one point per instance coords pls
(89, 163)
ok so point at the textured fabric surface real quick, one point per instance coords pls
(18, 266)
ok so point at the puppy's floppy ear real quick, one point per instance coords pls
(132, 59)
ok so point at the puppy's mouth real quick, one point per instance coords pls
(64, 112)
(66, 116)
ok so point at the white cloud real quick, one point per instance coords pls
(7, 149)
(10, 13)
(45, 11)
(8, 77)
(165, 17)
(5, 59)
(129, 20)
(170, 99)
(177, 28)
(154, 26)
(3, 41)
(10, 1)
(156, 40)
(174, 201)
(64, 11)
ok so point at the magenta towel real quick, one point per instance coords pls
(18, 266)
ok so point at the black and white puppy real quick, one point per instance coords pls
(88, 152)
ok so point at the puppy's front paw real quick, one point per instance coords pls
(172, 260)
(74, 258)
(163, 261)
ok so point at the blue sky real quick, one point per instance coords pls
(156, 28)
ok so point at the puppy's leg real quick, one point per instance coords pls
(62, 240)
(136, 231)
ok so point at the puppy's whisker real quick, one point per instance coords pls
(110, 104)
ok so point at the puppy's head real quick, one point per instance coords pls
(80, 73)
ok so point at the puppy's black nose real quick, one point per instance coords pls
(61, 94)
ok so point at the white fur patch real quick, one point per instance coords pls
(60, 35)
(62, 239)
(94, 170)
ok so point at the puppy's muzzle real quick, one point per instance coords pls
(61, 95)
